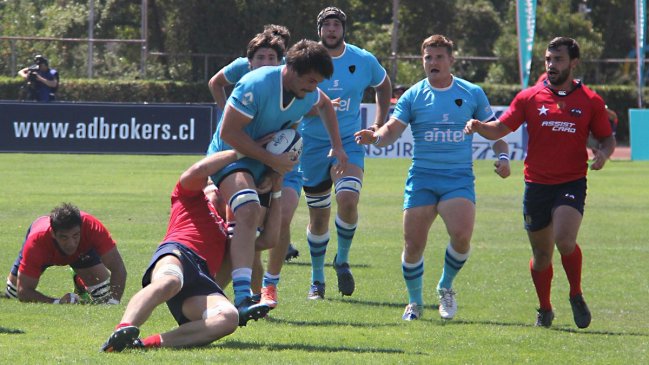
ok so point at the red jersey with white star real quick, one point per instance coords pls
(195, 223)
(558, 124)
(41, 250)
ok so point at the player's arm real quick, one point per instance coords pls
(232, 132)
(603, 153)
(492, 130)
(26, 291)
(270, 234)
(24, 73)
(114, 263)
(328, 117)
(49, 83)
(501, 149)
(385, 136)
(383, 96)
(217, 85)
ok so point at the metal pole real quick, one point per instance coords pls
(144, 33)
(91, 26)
(395, 39)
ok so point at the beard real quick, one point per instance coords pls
(334, 45)
(559, 78)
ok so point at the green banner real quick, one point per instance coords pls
(641, 41)
(525, 24)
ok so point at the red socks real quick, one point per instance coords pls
(543, 283)
(123, 324)
(152, 341)
(572, 265)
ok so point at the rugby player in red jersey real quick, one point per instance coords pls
(560, 114)
(68, 237)
(183, 268)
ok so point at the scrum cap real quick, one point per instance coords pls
(331, 12)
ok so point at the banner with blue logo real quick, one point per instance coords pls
(525, 24)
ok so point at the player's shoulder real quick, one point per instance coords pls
(262, 74)
(590, 93)
(466, 85)
(356, 51)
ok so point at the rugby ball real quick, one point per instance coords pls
(285, 140)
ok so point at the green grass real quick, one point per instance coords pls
(496, 297)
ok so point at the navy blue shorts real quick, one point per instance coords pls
(540, 200)
(86, 260)
(197, 280)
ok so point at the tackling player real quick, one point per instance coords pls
(68, 237)
(264, 101)
(354, 70)
(559, 115)
(440, 180)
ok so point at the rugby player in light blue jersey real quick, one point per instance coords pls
(354, 70)
(264, 101)
(440, 180)
(265, 49)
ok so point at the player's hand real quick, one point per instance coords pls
(341, 157)
(265, 139)
(335, 103)
(276, 180)
(599, 159)
(364, 136)
(70, 298)
(283, 163)
(472, 126)
(374, 127)
(502, 168)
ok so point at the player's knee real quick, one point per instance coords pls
(100, 293)
(221, 320)
(349, 184)
(169, 277)
(11, 291)
(244, 202)
(318, 201)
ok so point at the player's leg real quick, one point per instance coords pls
(211, 317)
(91, 276)
(238, 189)
(566, 220)
(11, 290)
(459, 217)
(347, 188)
(289, 201)
(416, 224)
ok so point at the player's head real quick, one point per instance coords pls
(265, 50)
(437, 57)
(65, 221)
(308, 63)
(214, 196)
(41, 61)
(561, 57)
(279, 31)
(331, 23)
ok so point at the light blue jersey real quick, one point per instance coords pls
(258, 95)
(235, 70)
(354, 71)
(437, 118)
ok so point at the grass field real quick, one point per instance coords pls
(497, 302)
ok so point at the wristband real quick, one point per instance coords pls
(378, 139)
(239, 155)
(503, 156)
(276, 194)
(56, 301)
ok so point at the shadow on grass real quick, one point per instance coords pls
(240, 345)
(307, 263)
(11, 331)
(377, 304)
(555, 328)
(326, 323)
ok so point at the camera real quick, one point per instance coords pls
(32, 71)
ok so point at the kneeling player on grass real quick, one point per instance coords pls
(68, 237)
(182, 270)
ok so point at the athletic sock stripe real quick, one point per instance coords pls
(414, 276)
(318, 254)
(318, 244)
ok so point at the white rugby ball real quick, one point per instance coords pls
(285, 140)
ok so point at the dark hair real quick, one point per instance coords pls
(438, 40)
(65, 216)
(306, 56)
(279, 31)
(331, 12)
(265, 40)
(571, 44)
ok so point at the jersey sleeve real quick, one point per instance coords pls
(33, 260)
(402, 111)
(245, 99)
(98, 235)
(600, 125)
(234, 71)
(514, 116)
(378, 72)
(483, 111)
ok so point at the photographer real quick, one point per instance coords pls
(42, 80)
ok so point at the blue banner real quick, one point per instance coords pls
(641, 40)
(525, 24)
(105, 128)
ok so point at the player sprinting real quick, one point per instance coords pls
(354, 70)
(440, 180)
(264, 101)
(559, 114)
(71, 237)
